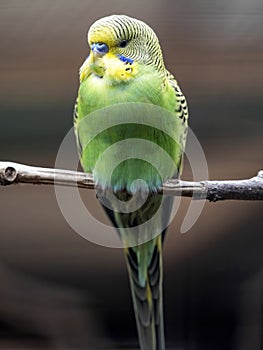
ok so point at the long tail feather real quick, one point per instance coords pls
(147, 297)
(145, 266)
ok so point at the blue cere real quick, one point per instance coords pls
(125, 59)
(100, 48)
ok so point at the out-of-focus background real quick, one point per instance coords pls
(59, 291)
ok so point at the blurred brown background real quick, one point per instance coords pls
(59, 291)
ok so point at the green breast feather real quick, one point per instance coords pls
(95, 97)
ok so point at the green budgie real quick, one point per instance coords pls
(125, 70)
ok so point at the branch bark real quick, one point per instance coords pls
(248, 189)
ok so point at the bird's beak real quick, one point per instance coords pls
(84, 70)
(98, 50)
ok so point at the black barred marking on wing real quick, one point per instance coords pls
(181, 109)
(75, 113)
(75, 119)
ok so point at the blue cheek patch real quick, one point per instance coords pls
(125, 59)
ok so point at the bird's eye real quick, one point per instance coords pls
(123, 43)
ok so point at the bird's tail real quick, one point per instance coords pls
(147, 294)
(143, 252)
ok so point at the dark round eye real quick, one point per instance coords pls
(123, 43)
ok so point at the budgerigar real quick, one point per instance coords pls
(125, 66)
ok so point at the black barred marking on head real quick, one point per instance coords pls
(142, 46)
(142, 42)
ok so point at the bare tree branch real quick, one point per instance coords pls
(248, 189)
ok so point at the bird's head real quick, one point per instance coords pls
(125, 39)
